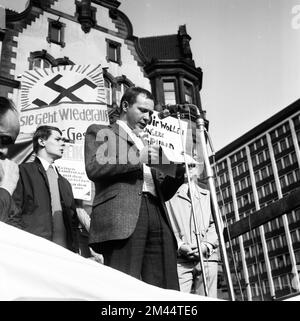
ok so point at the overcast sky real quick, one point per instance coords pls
(249, 52)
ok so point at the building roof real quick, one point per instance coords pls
(161, 47)
(259, 129)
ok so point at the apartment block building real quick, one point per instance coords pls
(253, 172)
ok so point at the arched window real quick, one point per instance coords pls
(109, 84)
(121, 87)
(122, 84)
(41, 59)
(108, 91)
(64, 61)
(40, 63)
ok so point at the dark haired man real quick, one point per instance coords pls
(9, 171)
(44, 199)
(129, 223)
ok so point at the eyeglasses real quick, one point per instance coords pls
(191, 165)
(6, 140)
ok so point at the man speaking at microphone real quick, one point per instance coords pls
(129, 222)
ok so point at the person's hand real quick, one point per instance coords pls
(96, 257)
(188, 250)
(204, 250)
(9, 175)
(191, 250)
(150, 155)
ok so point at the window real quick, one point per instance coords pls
(277, 242)
(282, 181)
(114, 89)
(294, 236)
(257, 176)
(262, 267)
(279, 164)
(270, 170)
(56, 32)
(121, 88)
(260, 192)
(245, 199)
(290, 178)
(234, 172)
(260, 157)
(270, 245)
(40, 63)
(243, 183)
(239, 202)
(276, 149)
(240, 169)
(169, 92)
(283, 145)
(273, 187)
(267, 154)
(286, 160)
(277, 283)
(290, 217)
(254, 160)
(41, 59)
(267, 189)
(296, 121)
(294, 157)
(264, 173)
(237, 187)
(108, 92)
(113, 51)
(273, 264)
(188, 92)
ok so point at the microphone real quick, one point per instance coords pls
(164, 113)
(178, 108)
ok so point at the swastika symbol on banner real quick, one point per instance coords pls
(63, 92)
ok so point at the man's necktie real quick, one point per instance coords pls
(59, 231)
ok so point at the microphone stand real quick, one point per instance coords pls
(218, 223)
(200, 128)
(196, 232)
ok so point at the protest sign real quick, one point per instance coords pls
(71, 98)
(171, 135)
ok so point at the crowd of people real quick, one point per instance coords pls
(142, 222)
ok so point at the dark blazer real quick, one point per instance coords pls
(5, 204)
(33, 211)
(118, 184)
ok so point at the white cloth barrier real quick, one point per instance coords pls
(33, 268)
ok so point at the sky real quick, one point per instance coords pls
(249, 52)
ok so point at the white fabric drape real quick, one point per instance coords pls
(33, 268)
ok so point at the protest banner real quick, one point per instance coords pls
(71, 98)
(172, 135)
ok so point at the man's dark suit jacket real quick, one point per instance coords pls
(32, 199)
(5, 204)
(118, 186)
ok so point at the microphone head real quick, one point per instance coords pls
(164, 113)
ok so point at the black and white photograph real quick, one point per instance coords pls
(150, 153)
